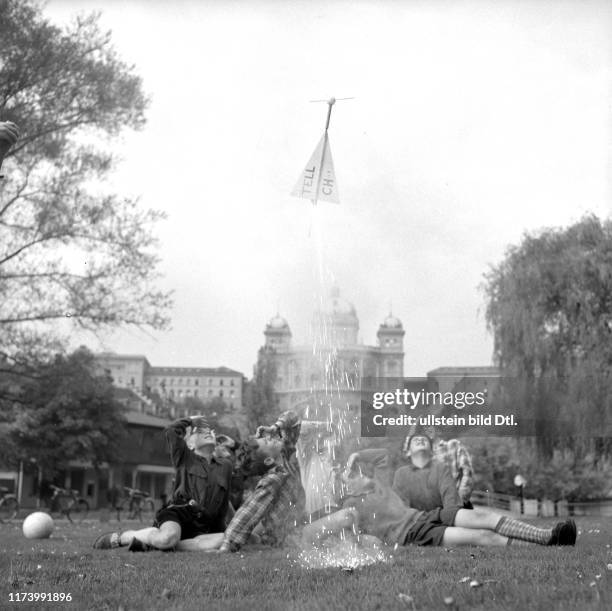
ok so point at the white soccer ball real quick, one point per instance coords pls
(38, 525)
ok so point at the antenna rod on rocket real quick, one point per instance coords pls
(330, 103)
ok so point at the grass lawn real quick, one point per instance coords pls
(259, 579)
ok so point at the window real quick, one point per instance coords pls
(231, 382)
(221, 382)
(220, 393)
(196, 382)
(195, 393)
(231, 393)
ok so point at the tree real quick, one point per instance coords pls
(72, 254)
(72, 415)
(550, 312)
(261, 399)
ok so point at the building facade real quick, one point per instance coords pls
(329, 374)
(155, 386)
(330, 369)
(143, 463)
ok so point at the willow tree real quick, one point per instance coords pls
(73, 254)
(550, 311)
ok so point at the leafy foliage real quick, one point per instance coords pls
(261, 400)
(550, 311)
(497, 460)
(72, 415)
(69, 250)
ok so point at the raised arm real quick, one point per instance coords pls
(287, 426)
(448, 488)
(376, 458)
(466, 473)
(175, 437)
(9, 133)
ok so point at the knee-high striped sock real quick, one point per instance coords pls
(516, 529)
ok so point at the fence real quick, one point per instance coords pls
(544, 508)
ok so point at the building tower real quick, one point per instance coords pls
(341, 320)
(278, 334)
(391, 343)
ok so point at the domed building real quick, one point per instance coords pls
(335, 361)
(278, 334)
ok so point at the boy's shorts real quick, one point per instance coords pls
(192, 520)
(430, 526)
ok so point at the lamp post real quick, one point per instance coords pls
(519, 482)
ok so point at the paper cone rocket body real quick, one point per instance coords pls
(318, 180)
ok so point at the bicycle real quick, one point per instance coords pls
(9, 505)
(67, 502)
(140, 505)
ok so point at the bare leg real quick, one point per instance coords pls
(515, 529)
(201, 543)
(164, 537)
(330, 525)
(508, 527)
(368, 544)
(369, 541)
(128, 535)
(476, 518)
(456, 536)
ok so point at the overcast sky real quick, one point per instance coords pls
(471, 123)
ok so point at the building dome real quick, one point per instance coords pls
(338, 306)
(278, 322)
(392, 322)
(340, 319)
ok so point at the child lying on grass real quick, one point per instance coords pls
(372, 507)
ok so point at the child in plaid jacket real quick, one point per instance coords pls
(273, 509)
